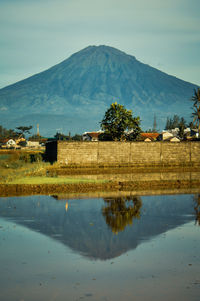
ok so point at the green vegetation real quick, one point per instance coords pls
(196, 108)
(119, 124)
(22, 130)
(15, 164)
(4, 157)
(175, 122)
(17, 167)
(76, 137)
(180, 122)
(4, 133)
(31, 157)
(52, 180)
(21, 173)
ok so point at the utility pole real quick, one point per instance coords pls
(154, 124)
(38, 132)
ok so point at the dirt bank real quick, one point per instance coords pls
(96, 170)
(45, 189)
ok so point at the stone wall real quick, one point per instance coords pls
(127, 153)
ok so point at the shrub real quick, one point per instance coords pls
(31, 157)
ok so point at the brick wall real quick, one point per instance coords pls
(127, 153)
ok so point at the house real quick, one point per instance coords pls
(11, 143)
(20, 140)
(187, 130)
(165, 136)
(174, 132)
(33, 144)
(168, 136)
(149, 137)
(91, 136)
(3, 141)
(194, 133)
(174, 139)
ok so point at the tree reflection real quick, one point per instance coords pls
(197, 208)
(120, 212)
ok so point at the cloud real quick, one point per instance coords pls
(137, 15)
(59, 13)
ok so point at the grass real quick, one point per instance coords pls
(4, 157)
(16, 168)
(9, 174)
(39, 180)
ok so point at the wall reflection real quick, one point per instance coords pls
(120, 212)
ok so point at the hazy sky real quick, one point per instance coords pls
(37, 34)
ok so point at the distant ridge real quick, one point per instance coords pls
(74, 94)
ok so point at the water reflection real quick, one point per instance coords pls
(197, 208)
(120, 212)
(59, 248)
(88, 226)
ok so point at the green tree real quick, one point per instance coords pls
(117, 121)
(182, 125)
(59, 136)
(35, 137)
(196, 108)
(175, 122)
(22, 130)
(168, 125)
(172, 123)
(4, 133)
(191, 125)
(181, 130)
(77, 137)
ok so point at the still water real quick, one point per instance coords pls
(113, 248)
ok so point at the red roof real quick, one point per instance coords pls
(150, 135)
(4, 140)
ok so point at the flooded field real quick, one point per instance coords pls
(117, 246)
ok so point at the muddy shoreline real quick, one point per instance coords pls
(96, 170)
(49, 189)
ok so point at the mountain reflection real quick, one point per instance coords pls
(120, 212)
(88, 226)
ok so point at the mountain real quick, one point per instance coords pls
(73, 95)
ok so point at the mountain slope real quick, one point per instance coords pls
(81, 88)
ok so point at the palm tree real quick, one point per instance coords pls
(196, 108)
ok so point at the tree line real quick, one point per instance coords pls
(14, 134)
(119, 124)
